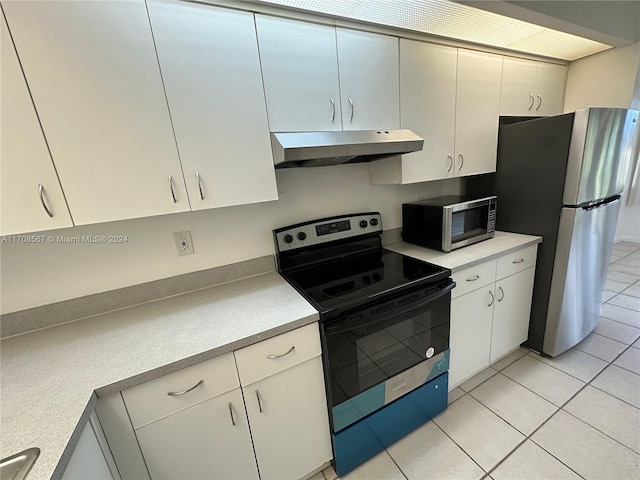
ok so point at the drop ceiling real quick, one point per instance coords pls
(566, 30)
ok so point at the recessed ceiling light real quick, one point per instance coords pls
(457, 21)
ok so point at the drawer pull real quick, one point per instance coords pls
(492, 298)
(273, 357)
(259, 401)
(520, 260)
(473, 279)
(333, 109)
(177, 394)
(502, 294)
(233, 420)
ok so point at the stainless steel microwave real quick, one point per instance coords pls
(447, 223)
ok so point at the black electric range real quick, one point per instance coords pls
(384, 327)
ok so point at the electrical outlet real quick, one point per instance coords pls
(183, 242)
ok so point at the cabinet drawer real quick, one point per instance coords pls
(151, 400)
(278, 353)
(473, 278)
(517, 261)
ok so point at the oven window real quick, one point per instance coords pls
(361, 356)
(469, 223)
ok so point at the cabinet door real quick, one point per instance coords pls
(369, 83)
(300, 74)
(93, 74)
(470, 340)
(518, 95)
(31, 195)
(211, 71)
(91, 458)
(477, 110)
(289, 421)
(210, 440)
(511, 312)
(428, 107)
(550, 83)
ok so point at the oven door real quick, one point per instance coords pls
(467, 223)
(379, 353)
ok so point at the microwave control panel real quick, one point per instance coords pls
(491, 222)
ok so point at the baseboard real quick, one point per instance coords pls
(627, 238)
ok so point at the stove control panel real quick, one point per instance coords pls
(326, 230)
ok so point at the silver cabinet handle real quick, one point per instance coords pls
(533, 100)
(492, 298)
(200, 185)
(259, 401)
(333, 109)
(273, 357)
(520, 260)
(233, 420)
(351, 104)
(473, 279)
(44, 204)
(539, 102)
(502, 294)
(177, 394)
(461, 158)
(173, 193)
(450, 162)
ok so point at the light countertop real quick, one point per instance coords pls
(49, 376)
(501, 244)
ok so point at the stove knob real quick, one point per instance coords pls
(302, 236)
(363, 223)
(366, 280)
(288, 238)
(373, 222)
(376, 277)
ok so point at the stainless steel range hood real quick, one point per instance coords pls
(315, 149)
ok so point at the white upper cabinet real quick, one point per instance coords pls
(428, 105)
(93, 74)
(300, 74)
(531, 88)
(550, 85)
(31, 195)
(477, 111)
(211, 70)
(369, 80)
(450, 97)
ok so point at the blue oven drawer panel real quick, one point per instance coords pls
(363, 440)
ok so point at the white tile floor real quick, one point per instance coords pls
(527, 417)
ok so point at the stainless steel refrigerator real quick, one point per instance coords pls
(561, 177)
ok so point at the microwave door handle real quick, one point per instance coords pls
(339, 325)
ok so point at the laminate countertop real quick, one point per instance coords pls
(501, 244)
(51, 378)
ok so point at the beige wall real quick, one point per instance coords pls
(609, 79)
(602, 80)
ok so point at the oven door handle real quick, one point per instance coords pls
(340, 324)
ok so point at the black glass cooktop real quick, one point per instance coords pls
(361, 277)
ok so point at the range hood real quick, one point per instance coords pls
(315, 149)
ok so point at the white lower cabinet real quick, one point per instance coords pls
(91, 458)
(470, 337)
(257, 413)
(289, 424)
(511, 312)
(208, 440)
(490, 312)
